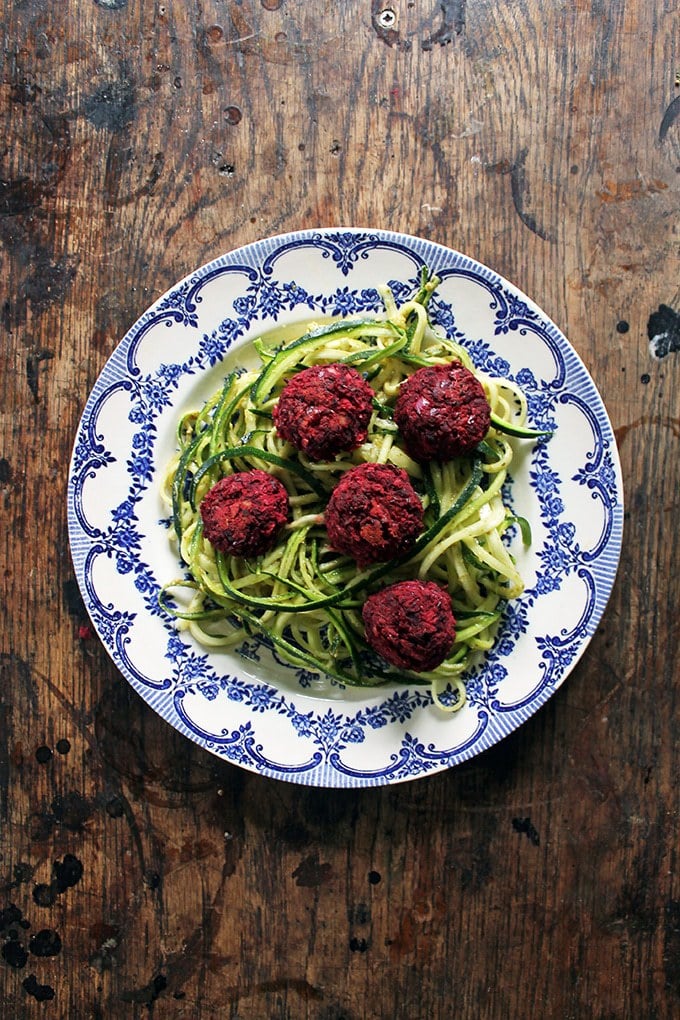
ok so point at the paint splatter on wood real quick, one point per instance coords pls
(663, 330)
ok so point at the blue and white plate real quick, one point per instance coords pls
(246, 706)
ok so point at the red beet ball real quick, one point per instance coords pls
(374, 514)
(324, 410)
(442, 412)
(410, 624)
(243, 513)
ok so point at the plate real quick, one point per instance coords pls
(246, 706)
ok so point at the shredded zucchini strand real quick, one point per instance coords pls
(301, 596)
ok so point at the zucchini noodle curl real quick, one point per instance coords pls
(303, 598)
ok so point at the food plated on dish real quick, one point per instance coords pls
(344, 500)
(203, 374)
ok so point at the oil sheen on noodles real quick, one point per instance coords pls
(301, 597)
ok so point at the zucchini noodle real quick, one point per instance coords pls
(302, 597)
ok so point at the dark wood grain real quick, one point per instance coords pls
(139, 140)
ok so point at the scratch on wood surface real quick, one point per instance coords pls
(305, 990)
(473, 127)
(241, 39)
(522, 805)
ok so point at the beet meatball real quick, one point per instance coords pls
(410, 624)
(442, 412)
(324, 410)
(374, 513)
(243, 513)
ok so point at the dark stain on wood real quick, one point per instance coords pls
(22, 193)
(526, 827)
(671, 114)
(671, 946)
(19, 196)
(47, 282)
(310, 873)
(663, 331)
(44, 895)
(449, 13)
(111, 106)
(71, 810)
(452, 24)
(21, 874)
(14, 953)
(67, 873)
(38, 991)
(45, 942)
(73, 599)
(147, 995)
(16, 675)
(12, 925)
(33, 364)
(359, 914)
(519, 190)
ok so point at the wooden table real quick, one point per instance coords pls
(140, 875)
